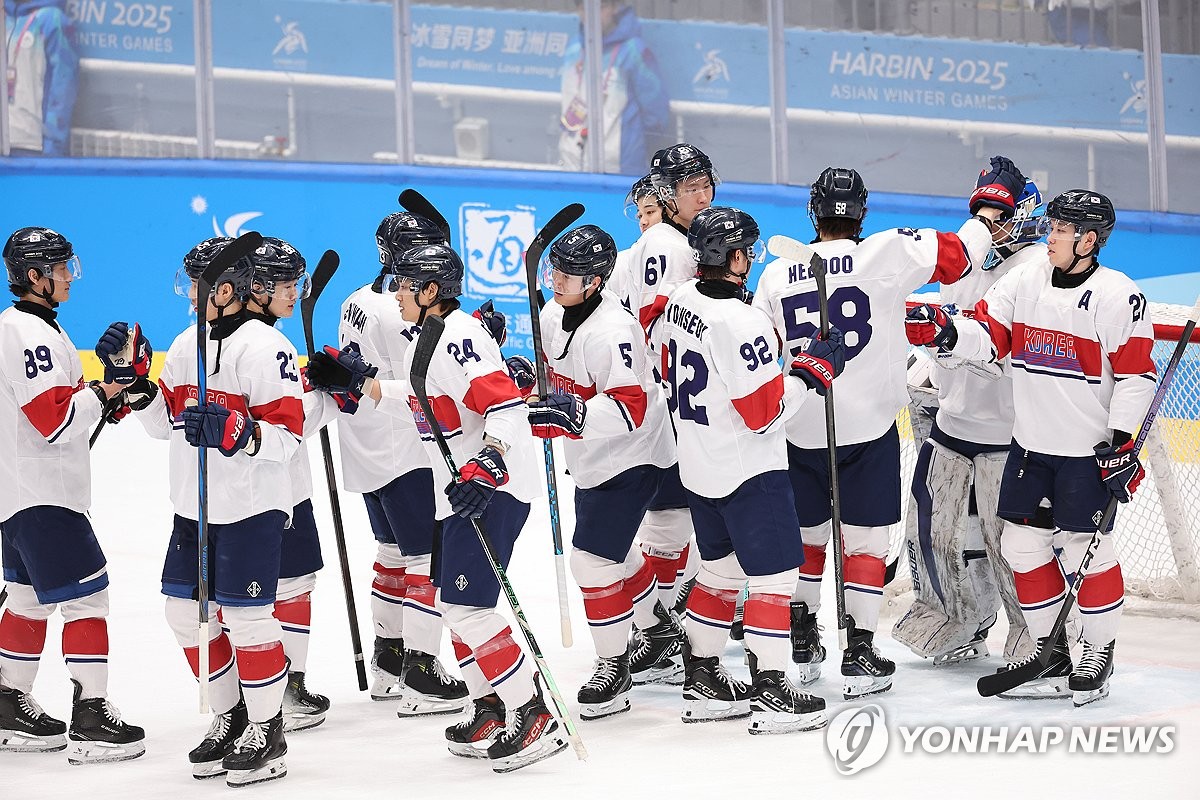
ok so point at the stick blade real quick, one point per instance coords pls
(549, 232)
(414, 202)
(239, 248)
(427, 342)
(997, 682)
(790, 249)
(321, 276)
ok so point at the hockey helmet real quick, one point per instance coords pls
(1086, 210)
(1023, 227)
(838, 192)
(40, 249)
(240, 273)
(677, 163)
(577, 256)
(719, 231)
(643, 187)
(432, 263)
(275, 261)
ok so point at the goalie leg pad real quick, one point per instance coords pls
(989, 470)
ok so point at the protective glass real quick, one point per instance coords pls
(559, 282)
(71, 266)
(185, 286)
(399, 285)
(301, 287)
(1060, 227)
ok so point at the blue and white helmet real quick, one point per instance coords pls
(1024, 227)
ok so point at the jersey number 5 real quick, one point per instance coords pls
(681, 399)
(849, 312)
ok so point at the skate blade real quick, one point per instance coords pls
(856, 686)
(617, 705)
(388, 688)
(1082, 698)
(1039, 689)
(810, 672)
(17, 742)
(670, 674)
(965, 653)
(548, 745)
(703, 709)
(299, 721)
(272, 770)
(415, 704)
(469, 750)
(774, 722)
(209, 769)
(103, 752)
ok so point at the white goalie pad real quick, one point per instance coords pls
(923, 394)
(989, 469)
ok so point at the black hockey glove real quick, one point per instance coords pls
(493, 320)
(998, 187)
(339, 371)
(1120, 469)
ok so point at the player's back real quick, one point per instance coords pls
(660, 261)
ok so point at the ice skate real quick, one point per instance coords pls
(532, 734)
(864, 670)
(387, 665)
(737, 628)
(1089, 680)
(607, 691)
(807, 651)
(257, 754)
(471, 737)
(976, 648)
(1051, 681)
(654, 657)
(97, 734)
(710, 692)
(224, 731)
(26, 728)
(301, 708)
(427, 689)
(777, 707)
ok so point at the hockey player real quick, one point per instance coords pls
(1079, 341)
(51, 556)
(959, 574)
(483, 416)
(643, 207)
(604, 400)
(729, 399)
(382, 457)
(254, 417)
(868, 281)
(280, 280)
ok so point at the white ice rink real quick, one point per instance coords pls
(364, 751)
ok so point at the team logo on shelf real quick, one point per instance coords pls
(493, 249)
(857, 738)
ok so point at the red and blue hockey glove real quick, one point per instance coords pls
(999, 186)
(212, 425)
(493, 320)
(1120, 469)
(339, 371)
(477, 481)
(521, 370)
(821, 362)
(929, 325)
(124, 352)
(558, 415)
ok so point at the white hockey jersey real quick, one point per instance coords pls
(604, 361)
(726, 391)
(257, 375)
(470, 393)
(1080, 357)
(45, 413)
(868, 284)
(621, 282)
(660, 261)
(375, 446)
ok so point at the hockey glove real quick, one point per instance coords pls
(212, 425)
(521, 370)
(477, 481)
(998, 187)
(821, 362)
(1120, 469)
(124, 352)
(928, 325)
(493, 320)
(140, 394)
(558, 415)
(340, 371)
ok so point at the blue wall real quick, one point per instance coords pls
(132, 221)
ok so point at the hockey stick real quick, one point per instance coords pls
(3, 595)
(533, 256)
(239, 248)
(792, 250)
(320, 277)
(996, 683)
(414, 202)
(427, 342)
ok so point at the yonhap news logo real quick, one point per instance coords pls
(857, 738)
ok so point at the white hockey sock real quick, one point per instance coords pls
(387, 592)
(295, 619)
(422, 620)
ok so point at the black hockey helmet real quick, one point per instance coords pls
(719, 231)
(838, 192)
(1086, 210)
(678, 163)
(276, 261)
(432, 263)
(642, 187)
(39, 249)
(240, 273)
(402, 231)
(586, 251)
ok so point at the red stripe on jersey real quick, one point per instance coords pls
(286, 411)
(177, 399)
(761, 406)
(48, 410)
(634, 400)
(952, 261)
(173, 399)
(647, 314)
(1001, 336)
(443, 408)
(493, 389)
(1133, 358)
(564, 384)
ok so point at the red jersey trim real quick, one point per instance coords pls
(634, 400)
(1001, 336)
(1133, 358)
(487, 391)
(952, 262)
(286, 411)
(760, 408)
(48, 411)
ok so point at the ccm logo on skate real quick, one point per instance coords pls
(857, 738)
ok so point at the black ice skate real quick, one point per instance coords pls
(224, 731)
(737, 628)
(301, 708)
(777, 707)
(472, 737)
(97, 734)
(655, 652)
(427, 689)
(532, 734)
(864, 670)
(387, 665)
(607, 691)
(1089, 680)
(257, 754)
(976, 648)
(25, 728)
(1051, 681)
(710, 692)
(807, 651)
